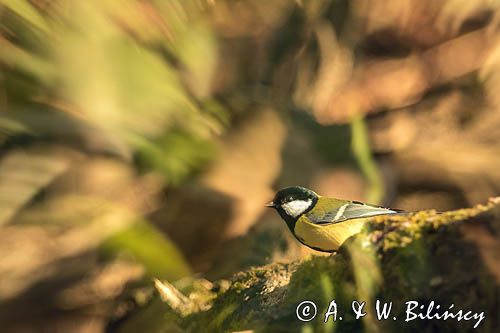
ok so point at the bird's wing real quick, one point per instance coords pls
(329, 211)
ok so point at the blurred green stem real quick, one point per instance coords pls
(361, 149)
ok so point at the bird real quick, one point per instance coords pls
(322, 223)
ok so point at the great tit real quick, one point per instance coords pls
(322, 223)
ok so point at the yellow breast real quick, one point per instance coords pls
(326, 238)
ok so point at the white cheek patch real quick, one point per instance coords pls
(296, 207)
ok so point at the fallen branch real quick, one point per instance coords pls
(424, 257)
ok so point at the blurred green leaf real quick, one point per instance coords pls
(122, 91)
(23, 174)
(362, 151)
(145, 244)
(10, 126)
(24, 9)
(177, 154)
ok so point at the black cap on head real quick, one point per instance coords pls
(292, 193)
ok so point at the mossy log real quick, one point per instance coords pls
(448, 258)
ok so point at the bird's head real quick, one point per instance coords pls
(292, 202)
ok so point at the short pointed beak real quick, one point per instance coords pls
(270, 204)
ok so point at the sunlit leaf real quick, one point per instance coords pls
(23, 174)
(24, 9)
(147, 245)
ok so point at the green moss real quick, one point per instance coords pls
(421, 256)
(398, 231)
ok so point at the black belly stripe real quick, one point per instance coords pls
(313, 247)
(321, 250)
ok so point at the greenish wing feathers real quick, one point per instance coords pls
(331, 211)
